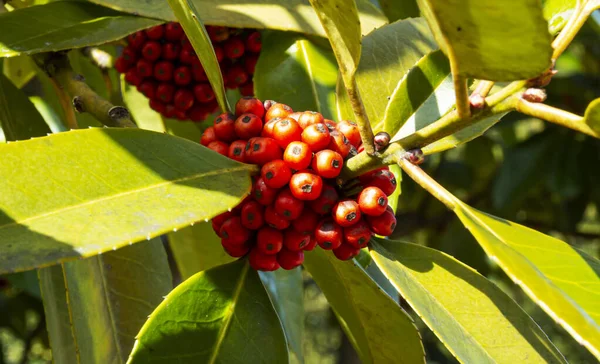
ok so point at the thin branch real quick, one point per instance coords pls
(477, 98)
(556, 116)
(362, 120)
(579, 17)
(461, 90)
(428, 183)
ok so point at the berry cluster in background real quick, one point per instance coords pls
(161, 63)
(296, 202)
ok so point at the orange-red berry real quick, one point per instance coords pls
(294, 241)
(309, 118)
(316, 136)
(264, 262)
(276, 174)
(346, 213)
(208, 136)
(250, 105)
(350, 131)
(358, 235)
(248, 126)
(289, 259)
(237, 150)
(384, 224)
(224, 125)
(233, 232)
(346, 252)
(252, 215)
(287, 205)
(329, 235)
(277, 110)
(219, 147)
(262, 193)
(324, 204)
(260, 150)
(297, 155)
(327, 163)
(274, 220)
(285, 131)
(306, 186)
(269, 240)
(372, 201)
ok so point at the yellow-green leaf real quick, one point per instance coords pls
(502, 40)
(476, 321)
(19, 70)
(557, 13)
(221, 315)
(399, 9)
(64, 25)
(188, 17)
(592, 115)
(83, 192)
(562, 280)
(139, 107)
(380, 331)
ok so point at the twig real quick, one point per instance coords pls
(65, 103)
(579, 17)
(556, 116)
(362, 120)
(477, 98)
(461, 90)
(429, 184)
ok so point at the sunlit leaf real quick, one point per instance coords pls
(557, 13)
(138, 106)
(592, 115)
(19, 70)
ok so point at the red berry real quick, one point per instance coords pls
(327, 163)
(350, 131)
(276, 174)
(217, 34)
(372, 201)
(173, 32)
(137, 40)
(187, 56)
(324, 204)
(233, 232)
(198, 71)
(316, 136)
(185, 44)
(219, 147)
(384, 180)
(346, 252)
(219, 53)
(204, 93)
(234, 48)
(269, 240)
(339, 143)
(198, 112)
(262, 193)
(268, 128)
(309, 118)
(148, 88)
(122, 65)
(277, 110)
(248, 126)
(170, 51)
(288, 206)
(331, 125)
(306, 186)
(157, 106)
(151, 50)
(183, 99)
(170, 111)
(181, 114)
(250, 63)
(250, 105)
(129, 55)
(165, 92)
(295, 115)
(252, 215)
(311, 245)
(163, 71)
(236, 76)
(144, 67)
(329, 235)
(274, 220)
(253, 42)
(295, 241)
(225, 127)
(155, 32)
(297, 155)
(358, 235)
(182, 75)
(236, 251)
(247, 89)
(346, 213)
(384, 224)
(133, 78)
(236, 150)
(288, 259)
(306, 222)
(365, 177)
(208, 136)
(261, 150)
(221, 218)
(285, 131)
(261, 261)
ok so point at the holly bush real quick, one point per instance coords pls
(116, 206)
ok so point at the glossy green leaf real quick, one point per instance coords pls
(297, 72)
(106, 299)
(424, 94)
(379, 329)
(286, 290)
(64, 25)
(189, 18)
(399, 9)
(562, 280)
(19, 70)
(557, 13)
(592, 115)
(19, 119)
(139, 107)
(220, 315)
(197, 248)
(388, 54)
(130, 185)
(501, 40)
(461, 307)
(289, 15)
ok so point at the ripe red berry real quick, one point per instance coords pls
(170, 111)
(225, 127)
(277, 110)
(253, 42)
(358, 235)
(182, 75)
(233, 232)
(186, 44)
(129, 55)
(261, 261)
(261, 150)
(132, 77)
(236, 76)
(236, 251)
(276, 174)
(234, 48)
(170, 51)
(365, 177)
(181, 114)
(306, 222)
(316, 136)
(144, 67)
(262, 193)
(137, 39)
(183, 99)
(151, 51)
(309, 118)
(311, 245)
(267, 131)
(274, 220)
(236, 150)
(372, 201)
(204, 92)
(327, 163)
(350, 131)
(163, 71)
(121, 65)
(198, 71)
(324, 204)
(346, 213)
(217, 34)
(346, 252)
(219, 53)
(165, 92)
(295, 115)
(250, 105)
(250, 63)
(329, 235)
(155, 32)
(331, 125)
(198, 112)
(173, 32)
(306, 186)
(187, 56)
(294, 241)
(269, 240)
(157, 106)
(285, 131)
(297, 155)
(384, 180)
(221, 218)
(219, 147)
(148, 88)
(288, 259)
(384, 224)
(209, 136)
(248, 126)
(247, 89)
(339, 143)
(252, 215)
(288, 206)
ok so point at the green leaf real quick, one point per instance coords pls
(197, 248)
(19, 119)
(399, 9)
(592, 115)
(19, 70)
(387, 55)
(288, 15)
(83, 192)
(297, 72)
(395, 197)
(286, 290)
(500, 41)
(189, 18)
(64, 25)
(220, 315)
(557, 13)
(139, 107)
(379, 329)
(106, 299)
(562, 280)
(461, 307)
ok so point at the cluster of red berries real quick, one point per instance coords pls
(296, 202)
(160, 61)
